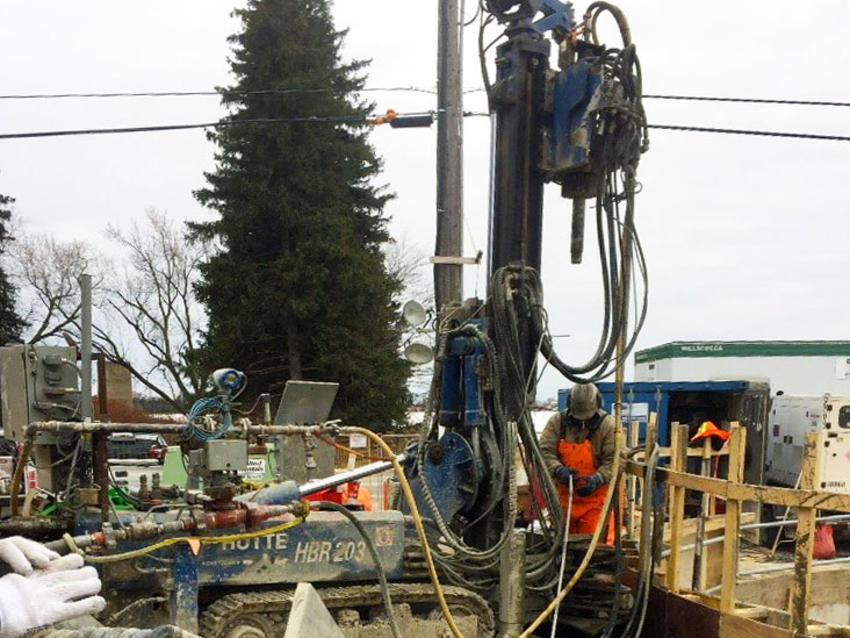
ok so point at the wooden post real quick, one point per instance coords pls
(737, 446)
(700, 575)
(678, 463)
(632, 481)
(647, 500)
(804, 539)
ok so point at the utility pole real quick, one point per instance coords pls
(448, 277)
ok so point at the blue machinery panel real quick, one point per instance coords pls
(325, 548)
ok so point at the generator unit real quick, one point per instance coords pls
(790, 419)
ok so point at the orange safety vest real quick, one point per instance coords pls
(585, 512)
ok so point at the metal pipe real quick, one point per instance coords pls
(512, 589)
(164, 428)
(784, 567)
(791, 521)
(85, 346)
(350, 475)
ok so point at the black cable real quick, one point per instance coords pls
(359, 119)
(334, 119)
(745, 100)
(732, 131)
(382, 577)
(387, 89)
(292, 91)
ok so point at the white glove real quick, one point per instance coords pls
(24, 555)
(64, 590)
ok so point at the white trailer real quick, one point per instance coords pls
(790, 419)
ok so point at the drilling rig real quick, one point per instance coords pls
(221, 560)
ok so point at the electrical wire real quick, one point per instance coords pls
(359, 119)
(203, 405)
(325, 119)
(388, 89)
(735, 131)
(382, 576)
(226, 92)
(745, 100)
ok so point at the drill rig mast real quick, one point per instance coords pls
(581, 126)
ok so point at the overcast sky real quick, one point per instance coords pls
(746, 238)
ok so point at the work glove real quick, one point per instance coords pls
(563, 473)
(24, 555)
(64, 590)
(587, 485)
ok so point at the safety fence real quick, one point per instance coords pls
(806, 500)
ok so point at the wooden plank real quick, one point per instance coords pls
(679, 444)
(745, 492)
(733, 626)
(737, 442)
(457, 261)
(756, 613)
(804, 539)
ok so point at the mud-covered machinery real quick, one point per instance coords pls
(214, 556)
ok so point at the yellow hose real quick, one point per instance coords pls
(417, 521)
(203, 540)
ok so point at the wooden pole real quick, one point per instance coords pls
(804, 539)
(737, 446)
(678, 463)
(448, 277)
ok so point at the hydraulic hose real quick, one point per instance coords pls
(417, 522)
(382, 577)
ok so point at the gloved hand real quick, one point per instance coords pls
(64, 590)
(563, 473)
(587, 485)
(23, 555)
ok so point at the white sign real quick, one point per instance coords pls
(256, 468)
(357, 440)
(634, 412)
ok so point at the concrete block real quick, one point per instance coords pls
(309, 617)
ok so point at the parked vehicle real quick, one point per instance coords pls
(130, 445)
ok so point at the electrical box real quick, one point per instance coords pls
(224, 455)
(790, 419)
(37, 383)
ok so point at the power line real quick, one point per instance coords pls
(388, 89)
(398, 118)
(733, 131)
(335, 119)
(749, 100)
(292, 91)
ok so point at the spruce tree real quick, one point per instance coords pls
(11, 324)
(300, 289)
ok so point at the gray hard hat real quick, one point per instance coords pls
(584, 401)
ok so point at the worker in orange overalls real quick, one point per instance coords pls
(579, 442)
